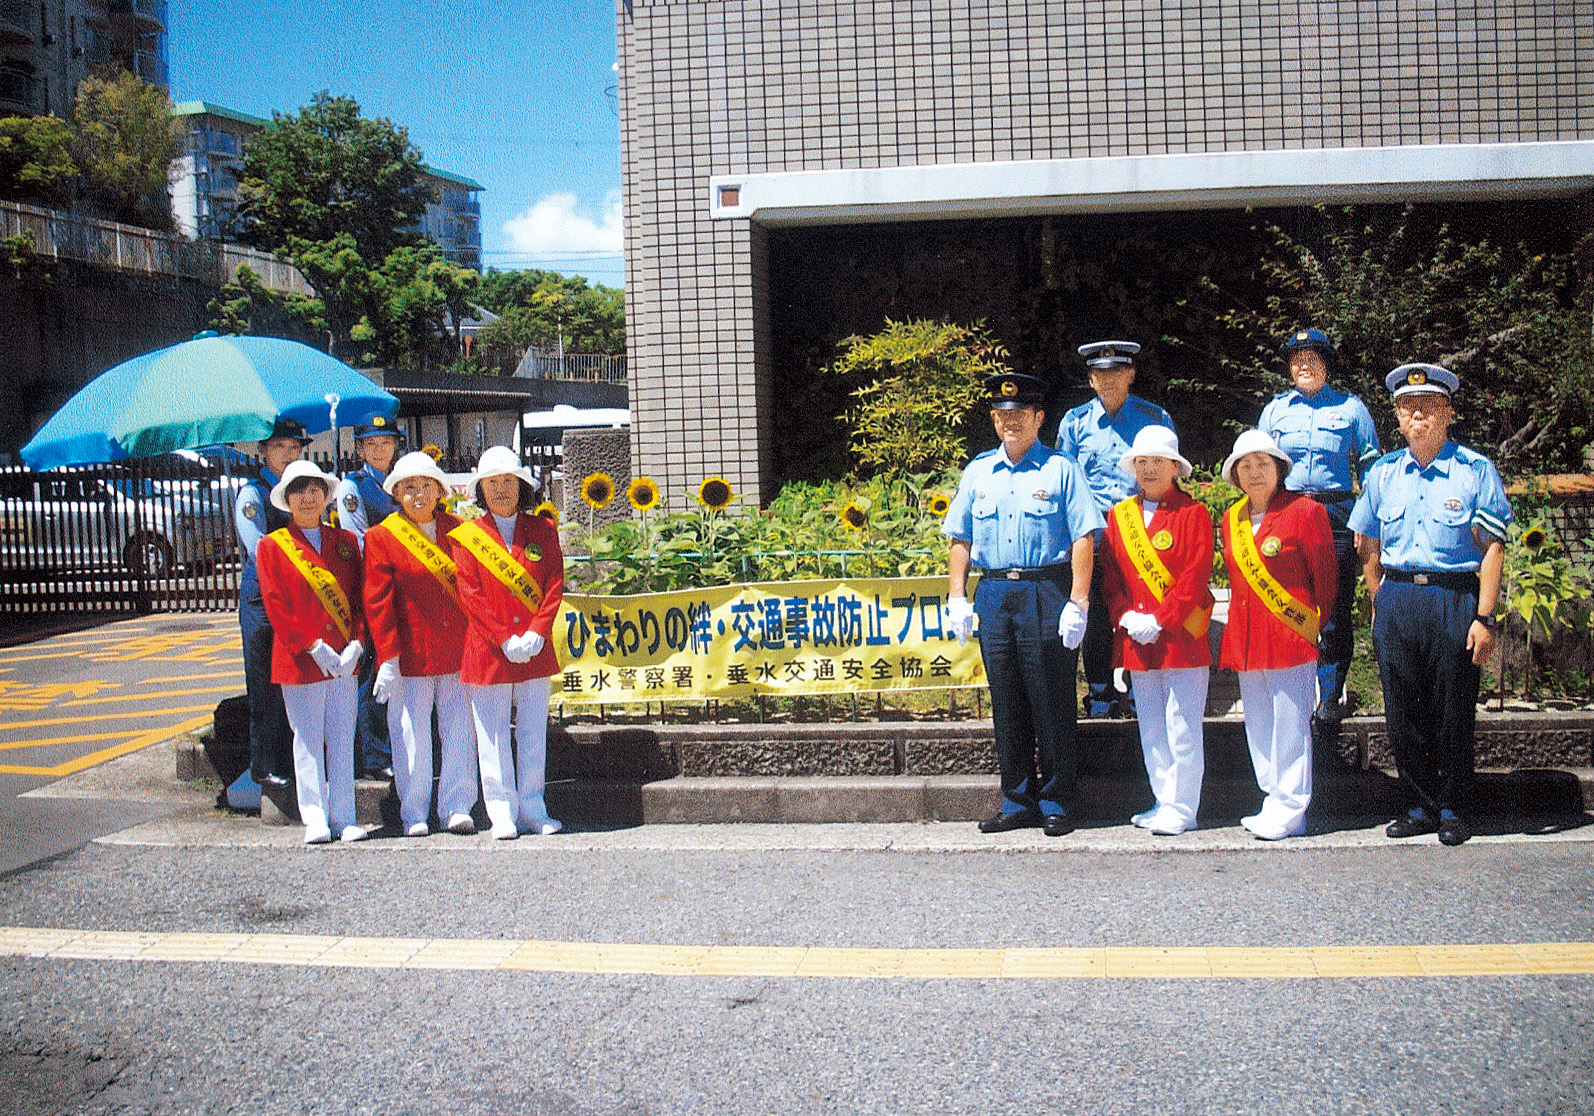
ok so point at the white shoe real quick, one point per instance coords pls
(352, 833)
(1163, 822)
(505, 832)
(419, 829)
(317, 836)
(542, 827)
(1264, 830)
(460, 823)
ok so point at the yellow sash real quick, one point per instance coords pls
(1132, 529)
(1296, 616)
(426, 552)
(499, 562)
(322, 583)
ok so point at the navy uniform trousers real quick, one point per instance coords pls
(1430, 687)
(1337, 643)
(270, 736)
(1031, 676)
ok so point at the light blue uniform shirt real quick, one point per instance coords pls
(361, 501)
(1324, 436)
(1089, 436)
(252, 512)
(1022, 515)
(1423, 518)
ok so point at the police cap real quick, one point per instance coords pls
(1109, 354)
(1009, 391)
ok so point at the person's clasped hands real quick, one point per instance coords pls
(1141, 627)
(522, 648)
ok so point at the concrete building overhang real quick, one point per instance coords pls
(1131, 183)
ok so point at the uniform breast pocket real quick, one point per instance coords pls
(1452, 530)
(1040, 525)
(1332, 433)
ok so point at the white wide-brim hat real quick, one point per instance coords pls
(415, 464)
(1155, 441)
(299, 470)
(497, 461)
(1252, 441)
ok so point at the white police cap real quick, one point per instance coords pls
(1108, 354)
(1409, 379)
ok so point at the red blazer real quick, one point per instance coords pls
(494, 613)
(411, 616)
(297, 618)
(1189, 560)
(1255, 639)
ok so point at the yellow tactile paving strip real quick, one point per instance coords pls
(41, 718)
(1109, 963)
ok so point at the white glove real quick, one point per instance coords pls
(1071, 625)
(1141, 627)
(515, 650)
(389, 684)
(532, 642)
(960, 618)
(326, 658)
(349, 661)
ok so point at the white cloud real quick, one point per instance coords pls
(553, 226)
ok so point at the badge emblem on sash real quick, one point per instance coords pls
(1272, 545)
(1162, 540)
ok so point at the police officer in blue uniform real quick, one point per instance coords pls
(1329, 437)
(1430, 526)
(1097, 435)
(255, 517)
(1023, 514)
(360, 502)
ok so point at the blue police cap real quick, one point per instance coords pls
(1009, 391)
(1310, 338)
(1109, 354)
(378, 427)
(288, 428)
(1409, 379)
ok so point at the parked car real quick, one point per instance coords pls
(153, 522)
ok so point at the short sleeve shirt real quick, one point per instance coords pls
(1423, 518)
(361, 501)
(253, 515)
(1327, 436)
(1098, 441)
(1023, 515)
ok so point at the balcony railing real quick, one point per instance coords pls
(19, 89)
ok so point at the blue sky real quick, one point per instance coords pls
(517, 96)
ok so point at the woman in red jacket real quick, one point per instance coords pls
(417, 627)
(1282, 572)
(310, 585)
(511, 580)
(1156, 563)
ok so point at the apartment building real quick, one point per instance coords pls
(48, 46)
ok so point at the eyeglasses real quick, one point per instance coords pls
(1428, 406)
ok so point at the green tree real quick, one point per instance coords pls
(36, 163)
(418, 299)
(125, 140)
(246, 305)
(328, 173)
(915, 385)
(539, 307)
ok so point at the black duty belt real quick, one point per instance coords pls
(1331, 497)
(1463, 580)
(1032, 573)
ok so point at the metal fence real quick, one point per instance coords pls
(549, 364)
(142, 536)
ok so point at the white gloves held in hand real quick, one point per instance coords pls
(522, 648)
(349, 661)
(389, 684)
(1071, 625)
(1141, 627)
(327, 659)
(960, 619)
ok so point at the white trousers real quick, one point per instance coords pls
(409, 726)
(1169, 705)
(322, 717)
(510, 800)
(1278, 716)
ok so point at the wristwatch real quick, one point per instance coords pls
(1487, 621)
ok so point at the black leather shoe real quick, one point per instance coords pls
(269, 781)
(1453, 831)
(1410, 826)
(1056, 825)
(1001, 823)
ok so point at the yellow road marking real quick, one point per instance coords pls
(52, 741)
(191, 677)
(130, 715)
(1093, 963)
(160, 694)
(142, 740)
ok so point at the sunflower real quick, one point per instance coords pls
(548, 512)
(643, 494)
(854, 518)
(432, 451)
(597, 490)
(938, 503)
(715, 493)
(1533, 539)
